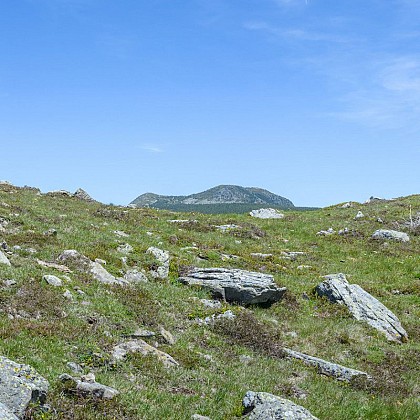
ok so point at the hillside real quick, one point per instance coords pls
(128, 309)
(220, 199)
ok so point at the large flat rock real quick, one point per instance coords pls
(265, 406)
(362, 305)
(20, 385)
(234, 285)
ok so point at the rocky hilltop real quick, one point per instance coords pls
(216, 196)
(119, 313)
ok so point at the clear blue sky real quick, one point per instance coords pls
(317, 100)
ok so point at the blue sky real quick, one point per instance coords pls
(318, 101)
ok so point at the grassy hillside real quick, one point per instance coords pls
(40, 327)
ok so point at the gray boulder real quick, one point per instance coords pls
(134, 276)
(19, 386)
(4, 259)
(53, 280)
(88, 386)
(266, 214)
(362, 305)
(333, 370)
(265, 406)
(82, 195)
(162, 257)
(234, 285)
(103, 276)
(139, 346)
(394, 235)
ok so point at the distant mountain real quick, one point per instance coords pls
(222, 196)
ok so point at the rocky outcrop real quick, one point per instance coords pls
(265, 406)
(393, 235)
(82, 195)
(333, 370)
(234, 285)
(362, 305)
(141, 347)
(266, 214)
(87, 385)
(19, 386)
(162, 257)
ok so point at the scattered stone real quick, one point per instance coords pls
(182, 221)
(265, 406)
(291, 255)
(211, 319)
(162, 271)
(213, 304)
(59, 193)
(234, 285)
(372, 199)
(199, 417)
(391, 235)
(125, 249)
(50, 232)
(20, 385)
(10, 282)
(344, 231)
(304, 267)
(121, 233)
(359, 215)
(333, 370)
(4, 259)
(379, 220)
(74, 367)
(139, 346)
(135, 276)
(85, 385)
(227, 228)
(347, 205)
(245, 359)
(362, 305)
(329, 231)
(58, 267)
(266, 214)
(140, 332)
(103, 276)
(52, 280)
(261, 256)
(67, 294)
(100, 261)
(167, 336)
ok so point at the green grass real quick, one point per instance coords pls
(41, 328)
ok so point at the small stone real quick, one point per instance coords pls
(167, 336)
(135, 276)
(121, 233)
(359, 215)
(67, 294)
(266, 214)
(50, 232)
(390, 235)
(347, 205)
(214, 304)
(74, 367)
(125, 249)
(52, 280)
(4, 259)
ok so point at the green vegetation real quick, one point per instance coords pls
(40, 327)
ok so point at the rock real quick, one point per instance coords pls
(227, 228)
(140, 332)
(52, 280)
(260, 255)
(167, 336)
(362, 305)
(199, 417)
(390, 234)
(135, 276)
(379, 220)
(291, 255)
(329, 231)
(58, 267)
(214, 304)
(359, 215)
(67, 294)
(10, 282)
(234, 285)
(75, 259)
(20, 385)
(74, 367)
(211, 319)
(338, 372)
(265, 406)
(82, 195)
(347, 205)
(59, 193)
(162, 271)
(103, 276)
(125, 249)
(87, 386)
(121, 233)
(139, 346)
(50, 232)
(6, 414)
(266, 214)
(4, 259)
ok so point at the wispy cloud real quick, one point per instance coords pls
(151, 148)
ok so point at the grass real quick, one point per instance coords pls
(38, 326)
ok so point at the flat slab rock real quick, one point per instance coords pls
(266, 214)
(362, 305)
(120, 351)
(333, 370)
(20, 385)
(265, 406)
(89, 386)
(234, 285)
